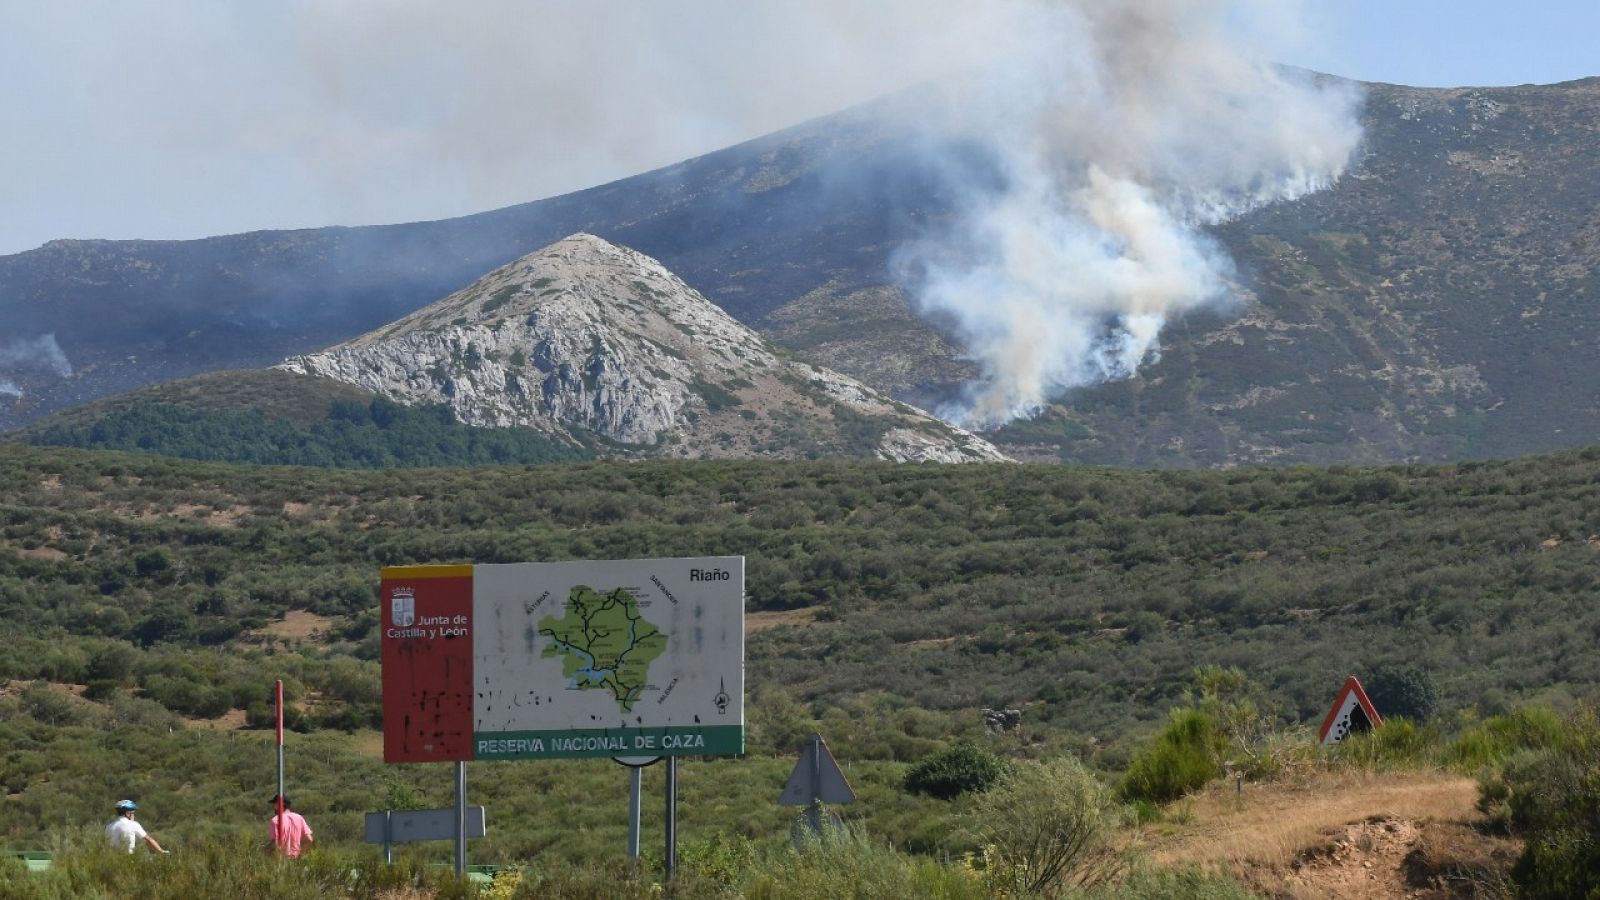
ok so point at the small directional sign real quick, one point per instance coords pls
(816, 778)
(401, 826)
(1351, 712)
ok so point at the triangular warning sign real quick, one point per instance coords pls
(816, 777)
(1351, 712)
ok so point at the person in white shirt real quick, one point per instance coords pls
(124, 833)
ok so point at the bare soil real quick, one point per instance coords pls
(297, 624)
(1344, 835)
(756, 621)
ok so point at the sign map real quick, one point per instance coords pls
(604, 643)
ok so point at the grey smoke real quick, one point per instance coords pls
(191, 118)
(9, 388)
(39, 354)
(1120, 130)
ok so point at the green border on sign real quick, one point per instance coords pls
(671, 740)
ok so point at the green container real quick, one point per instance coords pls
(35, 860)
(477, 874)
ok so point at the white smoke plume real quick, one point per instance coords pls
(8, 388)
(1120, 128)
(40, 354)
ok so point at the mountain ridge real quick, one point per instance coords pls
(1380, 320)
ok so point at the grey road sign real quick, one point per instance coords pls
(399, 826)
(816, 778)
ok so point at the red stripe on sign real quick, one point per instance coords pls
(427, 667)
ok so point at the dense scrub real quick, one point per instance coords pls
(353, 435)
(895, 600)
(1087, 596)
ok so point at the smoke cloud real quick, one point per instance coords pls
(41, 354)
(1118, 130)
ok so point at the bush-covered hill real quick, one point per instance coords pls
(277, 418)
(1086, 596)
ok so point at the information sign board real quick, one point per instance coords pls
(564, 659)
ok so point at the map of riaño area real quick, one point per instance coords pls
(604, 643)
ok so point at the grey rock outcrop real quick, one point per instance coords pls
(591, 340)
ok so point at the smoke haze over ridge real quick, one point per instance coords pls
(361, 112)
(1115, 131)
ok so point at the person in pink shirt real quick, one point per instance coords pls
(287, 834)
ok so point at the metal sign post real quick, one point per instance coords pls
(671, 864)
(635, 782)
(278, 829)
(635, 789)
(461, 819)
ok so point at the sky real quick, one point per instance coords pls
(188, 118)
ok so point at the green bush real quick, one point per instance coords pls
(1049, 827)
(236, 867)
(1552, 800)
(1496, 739)
(961, 768)
(1397, 743)
(854, 868)
(1173, 884)
(1184, 756)
(1403, 692)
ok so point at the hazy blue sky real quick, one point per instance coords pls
(186, 118)
(1450, 43)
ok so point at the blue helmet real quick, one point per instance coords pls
(126, 805)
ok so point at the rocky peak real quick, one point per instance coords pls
(588, 338)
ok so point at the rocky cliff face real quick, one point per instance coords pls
(596, 341)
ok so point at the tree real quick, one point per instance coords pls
(1404, 691)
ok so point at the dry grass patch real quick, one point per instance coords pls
(368, 743)
(1340, 834)
(756, 621)
(232, 720)
(297, 624)
(18, 686)
(1270, 824)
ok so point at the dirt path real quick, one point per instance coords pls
(1359, 836)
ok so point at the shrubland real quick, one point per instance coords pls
(1159, 629)
(353, 434)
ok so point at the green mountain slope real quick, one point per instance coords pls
(278, 418)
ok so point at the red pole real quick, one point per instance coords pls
(277, 831)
